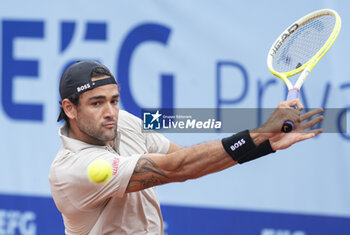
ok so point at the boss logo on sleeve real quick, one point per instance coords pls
(238, 144)
(115, 165)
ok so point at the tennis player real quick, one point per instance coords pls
(95, 128)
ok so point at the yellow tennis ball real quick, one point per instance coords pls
(99, 171)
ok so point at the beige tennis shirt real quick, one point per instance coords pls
(95, 209)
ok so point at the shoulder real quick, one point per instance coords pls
(127, 120)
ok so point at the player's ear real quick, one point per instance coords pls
(69, 109)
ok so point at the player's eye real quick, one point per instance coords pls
(96, 103)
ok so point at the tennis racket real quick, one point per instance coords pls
(300, 47)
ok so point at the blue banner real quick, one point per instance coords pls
(28, 215)
(190, 220)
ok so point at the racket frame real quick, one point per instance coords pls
(293, 91)
(310, 64)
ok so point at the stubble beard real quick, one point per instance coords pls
(97, 134)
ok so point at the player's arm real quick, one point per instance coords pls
(199, 160)
(186, 163)
(173, 147)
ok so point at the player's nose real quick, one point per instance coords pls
(110, 111)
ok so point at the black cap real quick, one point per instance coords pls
(76, 79)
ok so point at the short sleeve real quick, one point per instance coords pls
(157, 143)
(154, 142)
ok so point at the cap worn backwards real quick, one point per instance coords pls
(76, 79)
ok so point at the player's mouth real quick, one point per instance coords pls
(109, 125)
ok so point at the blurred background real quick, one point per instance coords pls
(180, 54)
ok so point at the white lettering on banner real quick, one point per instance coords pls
(17, 222)
(166, 225)
(270, 231)
(209, 124)
(191, 123)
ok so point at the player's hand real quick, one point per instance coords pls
(282, 113)
(285, 140)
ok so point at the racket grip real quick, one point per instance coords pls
(288, 125)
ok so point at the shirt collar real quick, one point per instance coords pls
(71, 144)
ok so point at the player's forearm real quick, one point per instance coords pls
(214, 156)
(196, 161)
(179, 166)
(199, 160)
(218, 155)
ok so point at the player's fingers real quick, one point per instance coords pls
(312, 122)
(304, 136)
(315, 131)
(294, 115)
(286, 103)
(311, 113)
(295, 102)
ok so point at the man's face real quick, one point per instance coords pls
(97, 113)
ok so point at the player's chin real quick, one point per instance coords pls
(107, 134)
(110, 133)
(105, 137)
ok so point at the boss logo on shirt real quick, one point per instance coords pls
(238, 144)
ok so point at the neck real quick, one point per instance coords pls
(75, 133)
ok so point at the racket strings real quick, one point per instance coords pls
(300, 46)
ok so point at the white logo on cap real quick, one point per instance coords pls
(83, 87)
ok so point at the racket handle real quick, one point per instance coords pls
(288, 125)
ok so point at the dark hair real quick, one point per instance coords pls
(96, 73)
